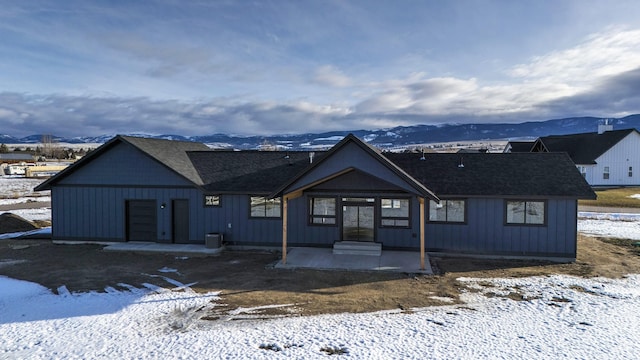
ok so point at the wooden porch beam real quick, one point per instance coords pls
(285, 216)
(285, 211)
(422, 222)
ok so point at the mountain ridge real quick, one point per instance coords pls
(393, 137)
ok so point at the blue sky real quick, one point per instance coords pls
(81, 67)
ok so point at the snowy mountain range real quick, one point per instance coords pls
(397, 136)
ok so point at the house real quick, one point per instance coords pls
(135, 189)
(16, 157)
(15, 163)
(518, 146)
(604, 158)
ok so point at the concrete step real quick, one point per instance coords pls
(357, 248)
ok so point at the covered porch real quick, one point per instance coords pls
(325, 259)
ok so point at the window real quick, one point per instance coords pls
(447, 211)
(394, 212)
(630, 171)
(583, 171)
(265, 208)
(322, 211)
(605, 173)
(211, 200)
(526, 212)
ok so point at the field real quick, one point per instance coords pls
(618, 197)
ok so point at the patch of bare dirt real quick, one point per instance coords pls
(248, 279)
(12, 223)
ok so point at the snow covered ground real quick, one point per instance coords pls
(18, 190)
(561, 317)
(617, 225)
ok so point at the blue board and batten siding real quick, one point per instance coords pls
(485, 232)
(232, 219)
(90, 205)
(98, 213)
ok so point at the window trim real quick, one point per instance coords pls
(464, 222)
(395, 218)
(312, 216)
(630, 172)
(251, 216)
(545, 209)
(605, 173)
(204, 200)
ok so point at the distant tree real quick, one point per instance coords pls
(267, 146)
(50, 149)
(17, 149)
(4, 148)
(28, 149)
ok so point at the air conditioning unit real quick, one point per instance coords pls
(213, 241)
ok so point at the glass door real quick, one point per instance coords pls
(358, 219)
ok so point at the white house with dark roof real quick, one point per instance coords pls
(134, 189)
(604, 158)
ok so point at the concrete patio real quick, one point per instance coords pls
(324, 259)
(162, 248)
(297, 258)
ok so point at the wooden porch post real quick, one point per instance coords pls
(422, 220)
(285, 200)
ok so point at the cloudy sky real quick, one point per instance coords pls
(82, 67)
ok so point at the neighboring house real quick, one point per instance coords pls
(134, 189)
(604, 158)
(518, 146)
(15, 163)
(12, 158)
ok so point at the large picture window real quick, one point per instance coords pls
(322, 211)
(394, 212)
(447, 211)
(526, 212)
(262, 207)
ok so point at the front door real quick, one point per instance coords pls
(358, 219)
(180, 221)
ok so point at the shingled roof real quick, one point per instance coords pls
(518, 146)
(248, 171)
(169, 153)
(582, 148)
(375, 153)
(509, 175)
(172, 154)
(482, 174)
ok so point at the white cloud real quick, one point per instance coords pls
(11, 118)
(564, 74)
(331, 76)
(309, 107)
(602, 54)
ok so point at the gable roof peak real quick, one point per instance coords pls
(171, 154)
(373, 152)
(584, 148)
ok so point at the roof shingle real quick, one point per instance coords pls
(247, 171)
(172, 154)
(496, 174)
(584, 148)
